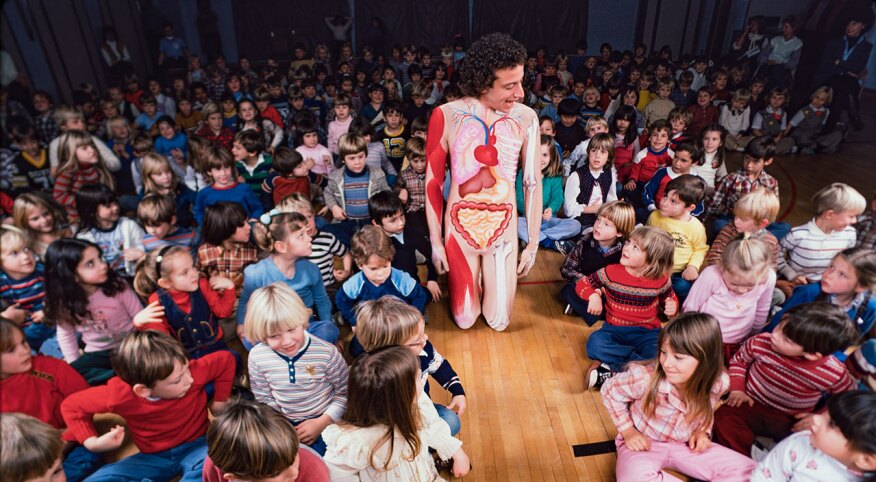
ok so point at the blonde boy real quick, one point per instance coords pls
(299, 375)
(753, 212)
(30, 450)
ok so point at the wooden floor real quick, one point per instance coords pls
(526, 400)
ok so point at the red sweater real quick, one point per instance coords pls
(629, 300)
(157, 425)
(789, 385)
(40, 391)
(68, 183)
(221, 304)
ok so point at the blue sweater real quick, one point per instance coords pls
(239, 193)
(358, 288)
(812, 292)
(164, 146)
(661, 178)
(307, 282)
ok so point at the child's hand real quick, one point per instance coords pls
(738, 397)
(804, 422)
(434, 290)
(635, 440)
(670, 308)
(594, 304)
(338, 213)
(630, 185)
(239, 330)
(699, 441)
(458, 402)
(151, 314)
(800, 280)
(133, 254)
(221, 283)
(403, 195)
(690, 273)
(322, 211)
(309, 430)
(217, 407)
(106, 442)
(461, 463)
(38, 316)
(548, 212)
(341, 274)
(14, 314)
(177, 154)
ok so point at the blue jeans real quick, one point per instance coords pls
(80, 463)
(37, 333)
(578, 305)
(186, 459)
(450, 417)
(681, 287)
(777, 229)
(554, 228)
(345, 229)
(322, 329)
(317, 445)
(617, 345)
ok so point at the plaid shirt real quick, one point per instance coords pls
(416, 186)
(623, 396)
(733, 186)
(46, 128)
(215, 88)
(866, 228)
(216, 260)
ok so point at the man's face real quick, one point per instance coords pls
(506, 90)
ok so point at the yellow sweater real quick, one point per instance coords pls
(690, 240)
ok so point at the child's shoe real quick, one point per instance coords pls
(597, 375)
(568, 310)
(563, 246)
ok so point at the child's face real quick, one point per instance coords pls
(421, 134)
(711, 141)
(110, 110)
(86, 154)
(738, 283)
(556, 99)
(40, 220)
(92, 269)
(737, 76)
(591, 98)
(185, 107)
(828, 438)
(154, 87)
(238, 151)
(631, 99)
(418, 340)
(622, 125)
(342, 112)
(840, 278)
(30, 146)
(840, 220)
(181, 274)
(644, 83)
(605, 231)
(297, 103)
(394, 224)
(163, 179)
(635, 75)
(568, 120)
(233, 84)
(160, 231)
(303, 169)
(756, 88)
(661, 71)
(545, 158)
(108, 213)
(738, 104)
(659, 139)
(720, 82)
(311, 139)
(200, 95)
(672, 207)
(664, 91)
(75, 124)
(700, 67)
(41, 104)
(18, 263)
(784, 346)
(376, 96)
(418, 164)
(309, 92)
(149, 109)
(682, 162)
(819, 100)
(546, 128)
(299, 244)
(221, 175)
(16, 359)
(678, 367)
(116, 95)
(678, 125)
(745, 224)
(597, 158)
(550, 70)
(376, 270)
(241, 234)
(247, 111)
(393, 120)
(229, 105)
(166, 130)
(418, 100)
(754, 166)
(176, 385)
(531, 63)
(633, 256)
(596, 129)
(215, 121)
(704, 99)
(578, 89)
(777, 100)
(133, 87)
(355, 162)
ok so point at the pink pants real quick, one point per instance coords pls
(717, 463)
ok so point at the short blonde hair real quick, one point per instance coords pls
(758, 205)
(386, 321)
(659, 249)
(210, 108)
(622, 214)
(751, 256)
(297, 202)
(147, 357)
(274, 308)
(64, 113)
(12, 239)
(594, 121)
(28, 448)
(838, 197)
(824, 89)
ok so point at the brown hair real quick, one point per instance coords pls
(690, 189)
(350, 144)
(251, 141)
(156, 209)
(198, 147)
(371, 240)
(603, 141)
(147, 357)
(818, 327)
(216, 158)
(281, 225)
(28, 447)
(659, 250)
(154, 266)
(154, 163)
(7, 328)
(385, 321)
(383, 392)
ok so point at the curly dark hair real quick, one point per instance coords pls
(486, 55)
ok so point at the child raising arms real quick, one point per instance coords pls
(664, 411)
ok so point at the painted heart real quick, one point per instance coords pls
(480, 224)
(487, 155)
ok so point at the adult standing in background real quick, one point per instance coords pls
(339, 26)
(116, 55)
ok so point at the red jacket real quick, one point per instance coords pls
(40, 391)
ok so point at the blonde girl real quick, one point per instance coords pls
(41, 218)
(389, 425)
(198, 148)
(287, 237)
(554, 230)
(160, 178)
(664, 409)
(737, 291)
(590, 186)
(81, 164)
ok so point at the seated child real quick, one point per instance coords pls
(674, 216)
(626, 141)
(411, 185)
(678, 120)
(373, 253)
(119, 237)
(714, 165)
(632, 323)
(160, 177)
(30, 450)
(299, 375)
(41, 218)
(25, 163)
(157, 214)
(394, 134)
(214, 129)
(389, 321)
(290, 174)
(754, 211)
(735, 118)
(807, 125)
(222, 173)
(252, 441)
(737, 291)
(775, 378)
(808, 249)
(590, 186)
(316, 154)
(686, 156)
(839, 446)
(386, 211)
(160, 394)
(341, 124)
(251, 161)
(578, 157)
(664, 411)
(376, 156)
(349, 188)
(648, 160)
(659, 108)
(772, 122)
(569, 132)
(703, 112)
(226, 249)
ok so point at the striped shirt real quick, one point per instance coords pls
(356, 194)
(432, 363)
(629, 300)
(29, 292)
(302, 387)
(808, 250)
(185, 237)
(789, 385)
(68, 183)
(325, 247)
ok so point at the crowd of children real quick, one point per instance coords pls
(175, 246)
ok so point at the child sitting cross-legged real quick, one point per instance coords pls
(777, 378)
(291, 174)
(160, 394)
(299, 375)
(373, 253)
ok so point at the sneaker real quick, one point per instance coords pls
(598, 375)
(563, 247)
(568, 310)
(740, 149)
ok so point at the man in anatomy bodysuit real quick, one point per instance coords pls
(484, 134)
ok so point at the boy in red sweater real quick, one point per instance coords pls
(777, 378)
(160, 394)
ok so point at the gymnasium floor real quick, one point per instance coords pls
(527, 405)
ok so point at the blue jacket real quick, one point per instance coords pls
(358, 288)
(812, 292)
(653, 186)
